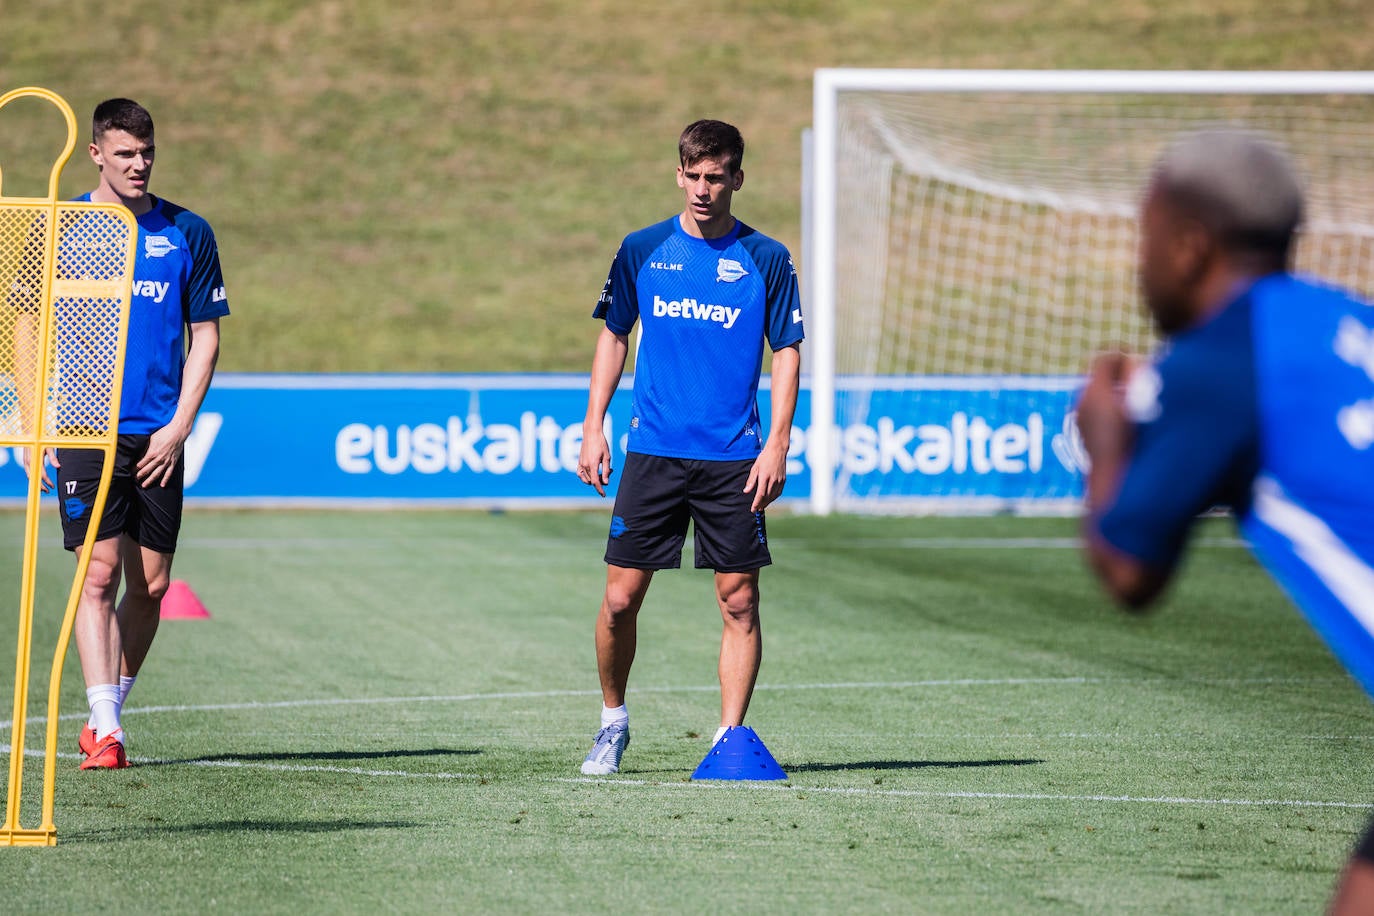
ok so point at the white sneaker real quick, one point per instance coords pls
(604, 757)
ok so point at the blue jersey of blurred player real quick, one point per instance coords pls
(708, 293)
(1262, 401)
(173, 345)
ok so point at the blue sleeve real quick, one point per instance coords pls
(205, 298)
(783, 321)
(1196, 445)
(619, 302)
(784, 302)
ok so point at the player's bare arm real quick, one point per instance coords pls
(769, 474)
(1108, 434)
(166, 444)
(608, 364)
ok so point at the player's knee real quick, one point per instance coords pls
(620, 603)
(155, 588)
(102, 579)
(740, 606)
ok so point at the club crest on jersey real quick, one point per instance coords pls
(728, 271)
(156, 246)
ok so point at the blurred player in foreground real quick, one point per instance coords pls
(1262, 401)
(708, 291)
(178, 296)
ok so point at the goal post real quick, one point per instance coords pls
(972, 237)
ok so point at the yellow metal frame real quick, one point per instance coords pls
(37, 440)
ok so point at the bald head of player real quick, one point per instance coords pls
(1221, 209)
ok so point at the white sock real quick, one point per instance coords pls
(104, 700)
(617, 716)
(720, 733)
(125, 685)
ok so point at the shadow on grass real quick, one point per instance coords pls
(908, 765)
(862, 765)
(211, 828)
(286, 756)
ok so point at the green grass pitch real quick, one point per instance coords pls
(387, 711)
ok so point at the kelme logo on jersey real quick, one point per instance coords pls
(692, 310)
(728, 271)
(155, 246)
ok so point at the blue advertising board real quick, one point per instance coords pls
(513, 440)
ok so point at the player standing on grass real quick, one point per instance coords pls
(709, 291)
(1263, 401)
(178, 297)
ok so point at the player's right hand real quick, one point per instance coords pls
(49, 458)
(594, 462)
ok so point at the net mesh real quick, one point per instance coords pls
(996, 232)
(65, 274)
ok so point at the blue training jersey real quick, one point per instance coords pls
(1267, 408)
(706, 307)
(177, 281)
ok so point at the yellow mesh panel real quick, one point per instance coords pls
(21, 280)
(60, 334)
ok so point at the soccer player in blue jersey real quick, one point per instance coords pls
(1262, 401)
(708, 292)
(173, 344)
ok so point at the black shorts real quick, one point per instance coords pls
(658, 496)
(149, 515)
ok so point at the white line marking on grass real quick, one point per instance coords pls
(977, 543)
(923, 793)
(301, 768)
(747, 786)
(699, 688)
(924, 543)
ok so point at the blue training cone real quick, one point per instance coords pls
(739, 754)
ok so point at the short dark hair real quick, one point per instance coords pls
(711, 140)
(1240, 186)
(121, 114)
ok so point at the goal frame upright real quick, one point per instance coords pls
(822, 208)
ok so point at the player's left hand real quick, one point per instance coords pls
(157, 464)
(766, 477)
(1102, 418)
(48, 457)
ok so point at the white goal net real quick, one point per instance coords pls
(974, 235)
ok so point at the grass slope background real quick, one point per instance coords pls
(386, 714)
(409, 187)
